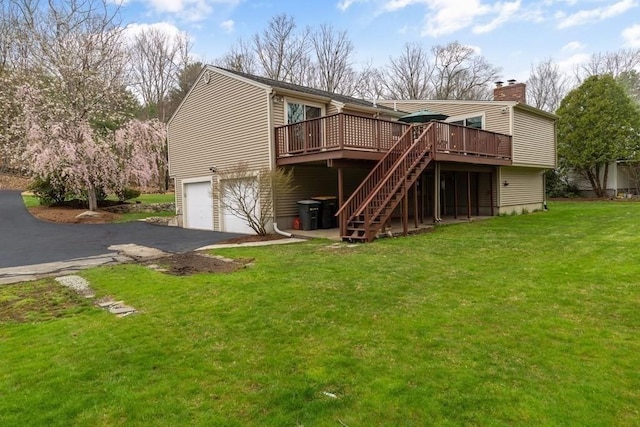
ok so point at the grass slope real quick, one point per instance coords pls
(519, 320)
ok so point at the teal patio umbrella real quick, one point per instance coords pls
(422, 116)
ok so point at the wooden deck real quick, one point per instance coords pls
(346, 136)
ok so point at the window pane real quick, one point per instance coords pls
(295, 113)
(312, 112)
(458, 122)
(474, 122)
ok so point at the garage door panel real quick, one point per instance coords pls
(198, 205)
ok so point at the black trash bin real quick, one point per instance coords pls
(328, 209)
(309, 212)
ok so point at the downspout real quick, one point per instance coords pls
(272, 160)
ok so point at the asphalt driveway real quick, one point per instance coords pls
(25, 240)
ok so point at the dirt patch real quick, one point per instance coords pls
(13, 182)
(193, 262)
(68, 215)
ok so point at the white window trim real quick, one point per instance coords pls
(480, 114)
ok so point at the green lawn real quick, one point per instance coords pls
(32, 201)
(155, 198)
(518, 320)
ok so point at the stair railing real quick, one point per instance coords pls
(395, 177)
(374, 177)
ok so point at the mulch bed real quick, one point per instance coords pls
(13, 182)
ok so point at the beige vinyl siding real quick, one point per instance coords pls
(525, 189)
(496, 120)
(277, 110)
(533, 140)
(220, 124)
(332, 109)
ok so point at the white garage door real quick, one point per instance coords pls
(198, 205)
(238, 190)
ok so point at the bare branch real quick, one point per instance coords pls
(546, 86)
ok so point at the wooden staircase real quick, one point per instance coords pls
(373, 202)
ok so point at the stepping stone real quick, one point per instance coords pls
(105, 304)
(89, 214)
(121, 310)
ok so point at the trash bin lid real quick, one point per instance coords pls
(324, 198)
(308, 202)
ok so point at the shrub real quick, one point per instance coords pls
(127, 194)
(559, 185)
(48, 194)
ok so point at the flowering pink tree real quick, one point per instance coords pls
(70, 151)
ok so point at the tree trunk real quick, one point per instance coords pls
(604, 181)
(91, 196)
(593, 181)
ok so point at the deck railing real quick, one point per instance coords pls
(337, 132)
(349, 132)
(457, 139)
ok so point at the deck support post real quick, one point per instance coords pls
(342, 219)
(423, 195)
(455, 195)
(491, 189)
(415, 203)
(477, 193)
(468, 195)
(405, 210)
(436, 193)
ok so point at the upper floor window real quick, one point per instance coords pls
(297, 112)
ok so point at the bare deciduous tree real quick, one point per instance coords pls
(240, 58)
(408, 75)
(368, 83)
(282, 52)
(614, 63)
(249, 194)
(459, 72)
(333, 67)
(80, 43)
(546, 86)
(157, 57)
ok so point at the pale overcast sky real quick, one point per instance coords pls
(510, 34)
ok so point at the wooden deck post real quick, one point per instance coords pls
(477, 193)
(423, 196)
(405, 210)
(491, 190)
(455, 195)
(415, 203)
(469, 195)
(342, 219)
(341, 131)
(436, 192)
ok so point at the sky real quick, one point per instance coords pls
(511, 35)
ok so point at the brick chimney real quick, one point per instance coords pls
(511, 92)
